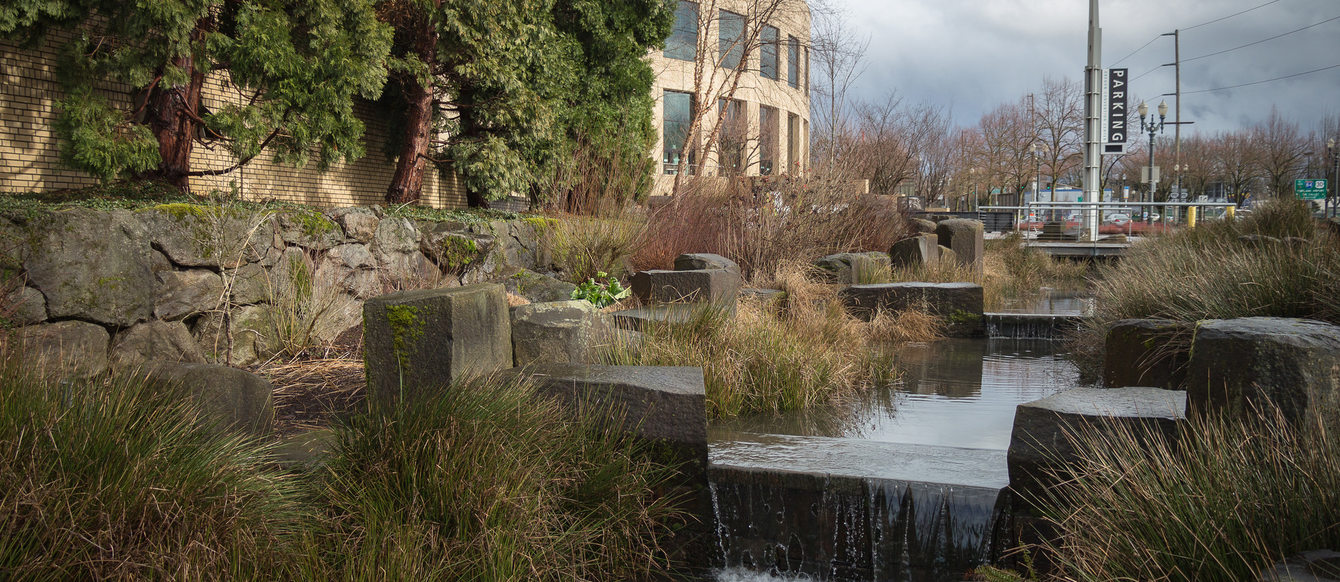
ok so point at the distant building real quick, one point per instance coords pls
(766, 125)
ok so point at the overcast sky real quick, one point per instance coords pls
(973, 55)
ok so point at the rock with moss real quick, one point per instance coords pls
(359, 223)
(420, 341)
(958, 305)
(65, 348)
(198, 235)
(862, 268)
(453, 250)
(245, 337)
(27, 306)
(250, 284)
(184, 293)
(154, 341)
(92, 266)
(308, 228)
(538, 287)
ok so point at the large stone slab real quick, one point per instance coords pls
(209, 236)
(917, 251)
(560, 332)
(717, 286)
(1039, 447)
(1238, 365)
(66, 348)
(241, 337)
(229, 399)
(93, 266)
(966, 239)
(416, 341)
(960, 305)
(1147, 352)
(538, 287)
(856, 268)
(666, 405)
(185, 293)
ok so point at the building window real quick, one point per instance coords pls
(767, 65)
(805, 143)
(793, 143)
(767, 137)
(683, 41)
(733, 144)
(678, 116)
(731, 27)
(807, 70)
(793, 61)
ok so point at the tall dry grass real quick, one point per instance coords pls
(764, 227)
(583, 246)
(802, 351)
(1010, 271)
(1221, 270)
(1225, 502)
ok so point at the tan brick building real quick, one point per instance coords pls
(760, 50)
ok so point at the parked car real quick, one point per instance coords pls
(1117, 218)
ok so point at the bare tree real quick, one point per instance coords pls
(1283, 151)
(1007, 137)
(838, 61)
(1235, 164)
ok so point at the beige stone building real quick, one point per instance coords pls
(741, 68)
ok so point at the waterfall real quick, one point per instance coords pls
(1030, 325)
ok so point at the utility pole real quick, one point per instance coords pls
(1093, 119)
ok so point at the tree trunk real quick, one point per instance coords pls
(171, 113)
(407, 183)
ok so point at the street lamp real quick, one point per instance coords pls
(1334, 154)
(1153, 128)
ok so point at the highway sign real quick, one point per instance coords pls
(1310, 189)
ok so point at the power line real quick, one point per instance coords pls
(1231, 15)
(1133, 79)
(1265, 81)
(1261, 41)
(1151, 41)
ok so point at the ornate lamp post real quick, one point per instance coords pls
(1153, 127)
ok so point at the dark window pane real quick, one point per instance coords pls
(767, 65)
(678, 115)
(683, 41)
(732, 39)
(767, 123)
(793, 62)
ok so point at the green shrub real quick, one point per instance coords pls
(1225, 502)
(107, 480)
(601, 294)
(482, 481)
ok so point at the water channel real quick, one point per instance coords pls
(902, 483)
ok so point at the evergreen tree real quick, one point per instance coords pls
(298, 63)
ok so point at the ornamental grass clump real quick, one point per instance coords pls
(1225, 502)
(486, 481)
(773, 355)
(107, 479)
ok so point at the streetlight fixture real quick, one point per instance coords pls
(1153, 127)
(1334, 154)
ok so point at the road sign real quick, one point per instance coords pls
(1310, 189)
(1115, 116)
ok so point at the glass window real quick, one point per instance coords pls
(734, 135)
(732, 39)
(767, 123)
(793, 143)
(767, 65)
(793, 61)
(678, 116)
(683, 41)
(807, 70)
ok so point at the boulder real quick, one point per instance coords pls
(561, 332)
(922, 225)
(704, 261)
(250, 284)
(353, 256)
(229, 399)
(153, 341)
(252, 336)
(715, 286)
(958, 304)
(1313, 566)
(538, 288)
(918, 251)
(417, 341)
(185, 293)
(209, 236)
(27, 306)
(1040, 449)
(359, 224)
(66, 348)
(665, 405)
(642, 319)
(1146, 352)
(965, 237)
(308, 229)
(93, 266)
(453, 250)
(857, 268)
(947, 256)
(1251, 364)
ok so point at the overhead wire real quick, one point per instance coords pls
(1337, 65)
(1156, 37)
(1260, 41)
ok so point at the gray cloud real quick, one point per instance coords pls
(972, 55)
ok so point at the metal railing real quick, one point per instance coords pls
(1088, 220)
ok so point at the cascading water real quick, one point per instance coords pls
(903, 484)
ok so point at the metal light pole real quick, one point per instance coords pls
(1335, 174)
(1093, 121)
(1153, 127)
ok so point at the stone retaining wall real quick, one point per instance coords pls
(93, 288)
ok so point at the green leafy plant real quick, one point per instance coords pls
(601, 294)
